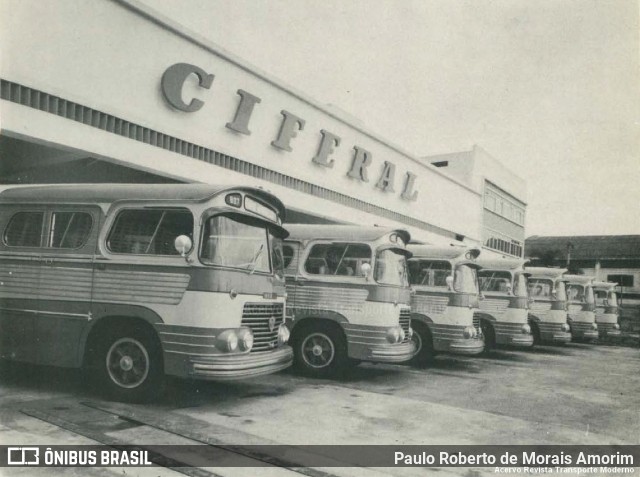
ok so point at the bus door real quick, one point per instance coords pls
(66, 277)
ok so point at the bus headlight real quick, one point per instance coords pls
(526, 329)
(565, 327)
(227, 341)
(616, 326)
(469, 332)
(393, 334)
(283, 335)
(245, 339)
(594, 326)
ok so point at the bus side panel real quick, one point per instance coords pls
(20, 279)
(64, 304)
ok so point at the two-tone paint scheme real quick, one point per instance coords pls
(360, 310)
(504, 303)
(142, 314)
(548, 305)
(606, 310)
(581, 307)
(444, 298)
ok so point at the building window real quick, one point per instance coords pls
(621, 280)
(501, 242)
(503, 205)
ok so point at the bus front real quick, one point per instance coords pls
(504, 304)
(232, 324)
(348, 296)
(445, 296)
(548, 307)
(606, 301)
(581, 308)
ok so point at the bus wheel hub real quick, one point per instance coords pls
(317, 350)
(126, 363)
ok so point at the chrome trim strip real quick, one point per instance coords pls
(86, 316)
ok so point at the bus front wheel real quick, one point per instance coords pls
(320, 350)
(423, 342)
(535, 331)
(489, 335)
(130, 365)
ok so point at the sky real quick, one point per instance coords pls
(550, 88)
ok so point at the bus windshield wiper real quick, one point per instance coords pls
(252, 265)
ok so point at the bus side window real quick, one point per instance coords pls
(24, 230)
(69, 229)
(149, 232)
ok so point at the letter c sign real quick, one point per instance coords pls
(173, 80)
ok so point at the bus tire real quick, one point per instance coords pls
(489, 335)
(320, 350)
(424, 343)
(535, 331)
(129, 364)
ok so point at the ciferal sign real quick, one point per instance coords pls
(175, 76)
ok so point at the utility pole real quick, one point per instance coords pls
(569, 248)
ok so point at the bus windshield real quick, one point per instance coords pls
(429, 273)
(465, 279)
(237, 243)
(277, 255)
(613, 299)
(391, 268)
(494, 281)
(540, 287)
(575, 292)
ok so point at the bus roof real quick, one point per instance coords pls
(502, 263)
(342, 232)
(450, 252)
(604, 285)
(545, 272)
(579, 279)
(109, 193)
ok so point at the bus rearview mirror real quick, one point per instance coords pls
(183, 245)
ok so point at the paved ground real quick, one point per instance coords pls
(575, 394)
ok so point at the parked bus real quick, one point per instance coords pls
(581, 306)
(606, 309)
(548, 308)
(348, 296)
(140, 281)
(445, 297)
(504, 306)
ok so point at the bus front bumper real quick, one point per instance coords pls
(396, 353)
(521, 340)
(586, 335)
(231, 367)
(561, 337)
(466, 346)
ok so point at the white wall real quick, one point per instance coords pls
(106, 56)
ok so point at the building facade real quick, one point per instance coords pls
(503, 200)
(115, 92)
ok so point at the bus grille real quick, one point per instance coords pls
(264, 319)
(405, 322)
(476, 324)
